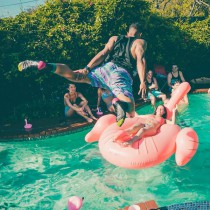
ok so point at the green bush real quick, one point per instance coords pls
(72, 32)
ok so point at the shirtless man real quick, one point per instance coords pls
(120, 57)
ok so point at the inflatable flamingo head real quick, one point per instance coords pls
(179, 93)
(99, 112)
(102, 123)
(75, 203)
(27, 126)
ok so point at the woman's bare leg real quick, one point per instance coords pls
(84, 116)
(153, 100)
(69, 113)
(134, 128)
(87, 108)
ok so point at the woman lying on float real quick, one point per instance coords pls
(147, 125)
(147, 149)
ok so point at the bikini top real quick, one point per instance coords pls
(77, 100)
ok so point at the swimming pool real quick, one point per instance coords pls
(44, 174)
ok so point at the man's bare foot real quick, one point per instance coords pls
(127, 144)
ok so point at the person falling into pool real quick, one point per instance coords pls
(148, 126)
(112, 68)
(75, 102)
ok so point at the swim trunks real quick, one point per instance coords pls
(112, 77)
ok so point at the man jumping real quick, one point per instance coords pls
(112, 69)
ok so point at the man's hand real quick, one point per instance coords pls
(81, 74)
(142, 89)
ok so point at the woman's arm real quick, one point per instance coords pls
(152, 86)
(173, 118)
(185, 99)
(83, 99)
(181, 76)
(169, 80)
(67, 102)
(155, 83)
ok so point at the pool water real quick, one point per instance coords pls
(44, 174)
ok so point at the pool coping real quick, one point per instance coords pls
(61, 130)
(48, 132)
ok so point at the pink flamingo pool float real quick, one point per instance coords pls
(99, 112)
(150, 150)
(27, 126)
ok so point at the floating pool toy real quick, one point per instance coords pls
(99, 112)
(27, 126)
(101, 124)
(150, 150)
(177, 96)
(134, 207)
(75, 203)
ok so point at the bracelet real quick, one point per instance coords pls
(88, 68)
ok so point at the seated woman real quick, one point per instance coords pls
(107, 96)
(152, 85)
(76, 102)
(147, 126)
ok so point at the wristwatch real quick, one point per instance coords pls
(88, 68)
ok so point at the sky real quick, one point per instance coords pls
(10, 8)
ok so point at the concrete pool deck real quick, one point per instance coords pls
(46, 127)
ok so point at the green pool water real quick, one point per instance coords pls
(43, 174)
